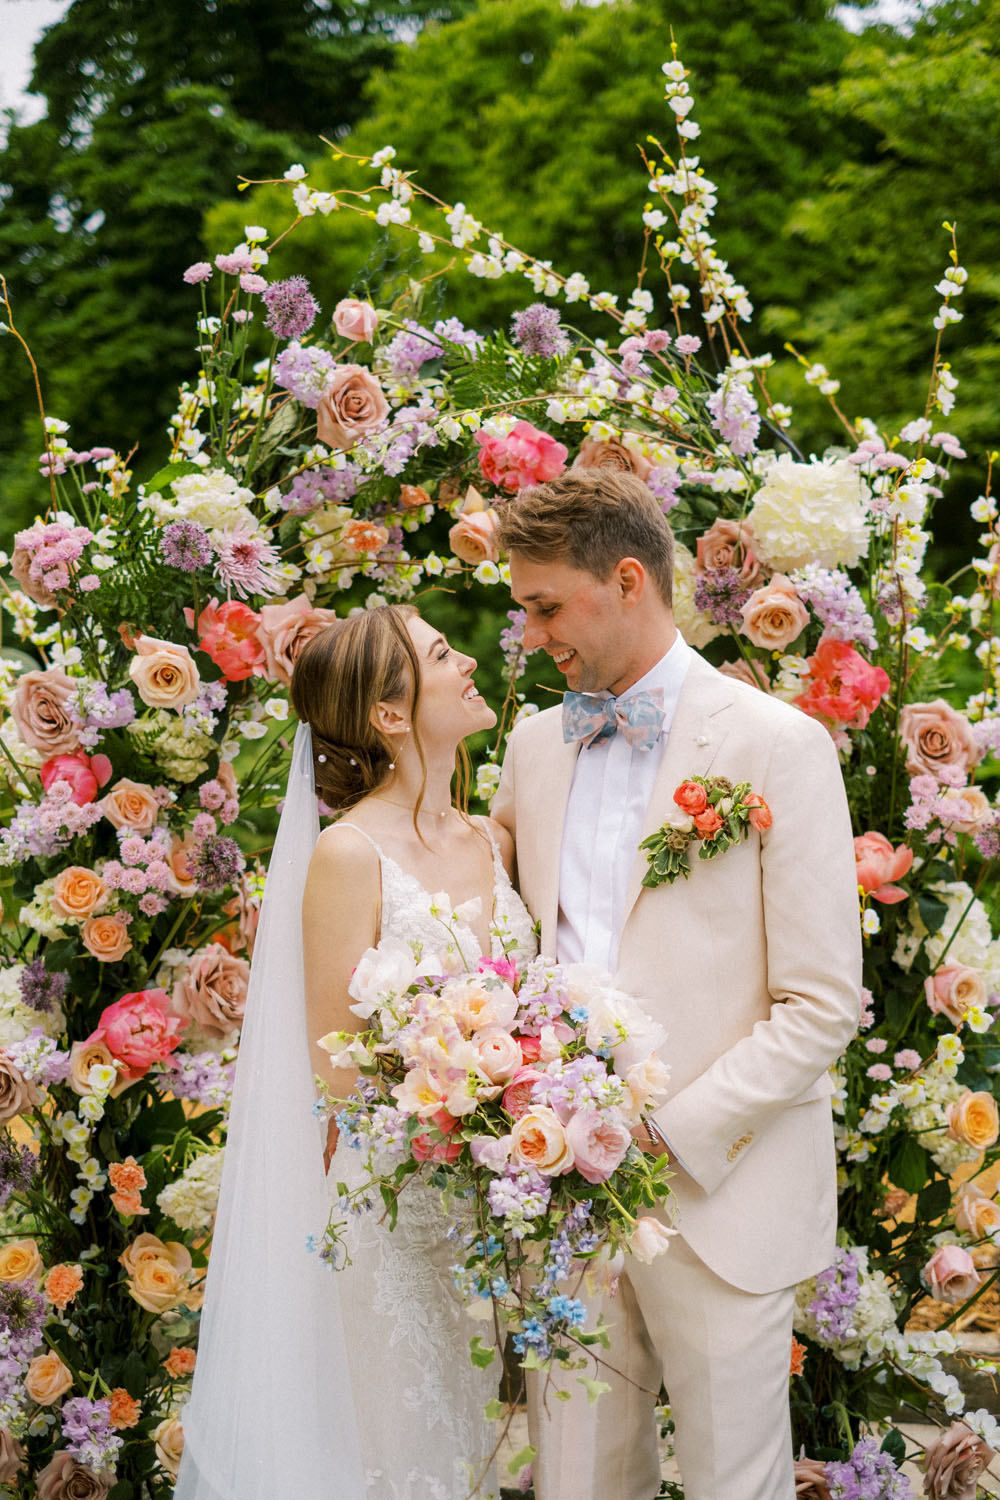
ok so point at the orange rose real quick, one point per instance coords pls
(62, 1284)
(47, 1378)
(106, 937)
(774, 616)
(157, 1272)
(691, 798)
(974, 1119)
(132, 805)
(78, 892)
(707, 823)
(351, 406)
(365, 536)
(473, 538)
(20, 1261)
(164, 674)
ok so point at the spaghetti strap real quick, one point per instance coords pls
(484, 824)
(377, 847)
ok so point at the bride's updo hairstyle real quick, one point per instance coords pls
(339, 677)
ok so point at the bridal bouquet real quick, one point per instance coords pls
(514, 1092)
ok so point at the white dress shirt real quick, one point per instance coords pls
(612, 784)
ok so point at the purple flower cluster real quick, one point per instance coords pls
(304, 372)
(933, 813)
(455, 332)
(18, 1165)
(291, 308)
(52, 550)
(536, 330)
(326, 486)
(45, 828)
(837, 1291)
(583, 1081)
(512, 644)
(39, 989)
(201, 1076)
(412, 347)
(518, 1196)
(216, 862)
(87, 1429)
(867, 1475)
(185, 545)
(542, 1000)
(735, 416)
(96, 710)
(411, 429)
(575, 1237)
(204, 712)
(22, 1315)
(664, 484)
(38, 1059)
(143, 870)
(721, 594)
(837, 603)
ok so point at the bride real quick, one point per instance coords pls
(354, 1384)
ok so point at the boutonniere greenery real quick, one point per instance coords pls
(711, 812)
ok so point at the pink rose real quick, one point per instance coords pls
(212, 990)
(473, 538)
(131, 804)
(539, 1140)
(355, 321)
(878, 864)
(598, 1143)
(516, 1098)
(729, 544)
(935, 735)
(954, 1462)
(84, 773)
(774, 616)
(351, 406)
(40, 709)
(284, 629)
(611, 455)
(844, 688)
(497, 1053)
(525, 456)
(139, 1030)
(229, 635)
(164, 674)
(976, 1213)
(951, 991)
(950, 1275)
(754, 674)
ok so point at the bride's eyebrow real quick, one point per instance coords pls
(438, 640)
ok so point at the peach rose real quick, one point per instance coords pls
(17, 1093)
(413, 496)
(65, 1479)
(283, 631)
(611, 455)
(538, 1140)
(157, 1272)
(132, 805)
(972, 809)
(954, 1462)
(497, 1053)
(351, 406)
(12, 1456)
(78, 892)
(774, 616)
(951, 991)
(729, 544)
(106, 937)
(47, 1378)
(355, 321)
(973, 1119)
(20, 1260)
(86, 1055)
(212, 990)
(950, 1275)
(473, 538)
(878, 865)
(691, 797)
(182, 881)
(810, 1480)
(164, 674)
(935, 735)
(40, 709)
(976, 1213)
(62, 1283)
(168, 1440)
(754, 674)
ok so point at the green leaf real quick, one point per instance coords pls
(517, 1463)
(495, 1411)
(164, 478)
(933, 1201)
(894, 1445)
(594, 1388)
(481, 1358)
(908, 1166)
(932, 910)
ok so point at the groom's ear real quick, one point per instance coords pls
(630, 579)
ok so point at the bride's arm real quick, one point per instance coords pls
(340, 917)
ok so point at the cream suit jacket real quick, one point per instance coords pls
(753, 965)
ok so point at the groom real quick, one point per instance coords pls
(753, 965)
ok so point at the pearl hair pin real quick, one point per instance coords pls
(321, 759)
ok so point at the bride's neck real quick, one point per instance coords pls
(408, 779)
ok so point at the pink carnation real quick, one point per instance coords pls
(139, 1030)
(525, 456)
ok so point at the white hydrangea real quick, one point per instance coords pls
(18, 1020)
(810, 513)
(973, 943)
(696, 628)
(192, 1199)
(874, 1315)
(211, 498)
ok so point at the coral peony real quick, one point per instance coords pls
(878, 864)
(228, 633)
(84, 773)
(525, 456)
(843, 687)
(139, 1030)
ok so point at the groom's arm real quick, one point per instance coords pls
(813, 937)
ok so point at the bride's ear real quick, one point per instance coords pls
(390, 717)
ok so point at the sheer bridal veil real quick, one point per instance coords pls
(271, 1415)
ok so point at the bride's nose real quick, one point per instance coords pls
(469, 665)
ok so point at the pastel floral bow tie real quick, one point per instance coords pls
(591, 717)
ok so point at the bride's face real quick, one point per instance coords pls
(449, 707)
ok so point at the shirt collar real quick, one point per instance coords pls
(667, 674)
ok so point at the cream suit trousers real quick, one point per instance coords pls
(723, 1355)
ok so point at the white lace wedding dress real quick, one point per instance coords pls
(419, 1401)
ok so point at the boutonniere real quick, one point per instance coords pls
(711, 812)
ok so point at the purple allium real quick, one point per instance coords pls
(867, 1475)
(217, 862)
(246, 563)
(536, 330)
(721, 594)
(18, 1165)
(39, 989)
(22, 1315)
(185, 545)
(291, 308)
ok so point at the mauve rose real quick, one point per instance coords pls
(538, 1140)
(598, 1143)
(40, 709)
(954, 1462)
(139, 1030)
(516, 1098)
(283, 631)
(935, 735)
(754, 674)
(12, 1456)
(84, 773)
(691, 798)
(976, 1213)
(729, 544)
(354, 320)
(77, 892)
(164, 674)
(810, 1480)
(213, 990)
(878, 865)
(952, 990)
(950, 1275)
(106, 938)
(47, 1378)
(17, 1093)
(64, 1479)
(649, 1239)
(473, 538)
(351, 406)
(498, 1054)
(974, 1119)
(774, 616)
(611, 454)
(131, 804)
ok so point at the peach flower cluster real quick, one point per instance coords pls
(128, 1180)
(180, 1362)
(158, 1272)
(62, 1284)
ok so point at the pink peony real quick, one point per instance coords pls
(843, 688)
(85, 774)
(229, 635)
(878, 864)
(598, 1143)
(950, 1275)
(525, 456)
(354, 320)
(139, 1030)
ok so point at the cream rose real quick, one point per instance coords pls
(11, 1456)
(973, 1119)
(976, 1213)
(935, 735)
(40, 709)
(20, 1260)
(132, 805)
(65, 1479)
(165, 675)
(77, 892)
(611, 454)
(649, 1239)
(168, 1440)
(774, 616)
(47, 1378)
(972, 808)
(157, 1272)
(212, 990)
(351, 406)
(473, 538)
(538, 1140)
(284, 629)
(106, 938)
(498, 1054)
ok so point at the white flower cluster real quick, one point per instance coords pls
(191, 1199)
(965, 933)
(810, 513)
(212, 498)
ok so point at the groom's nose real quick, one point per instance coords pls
(534, 635)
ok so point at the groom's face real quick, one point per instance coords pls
(576, 619)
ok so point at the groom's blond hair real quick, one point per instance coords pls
(591, 519)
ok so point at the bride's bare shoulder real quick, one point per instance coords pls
(345, 850)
